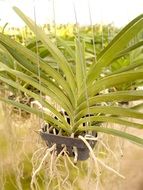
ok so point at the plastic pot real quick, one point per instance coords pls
(61, 141)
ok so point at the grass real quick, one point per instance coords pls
(21, 155)
(16, 147)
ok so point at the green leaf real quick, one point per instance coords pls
(39, 113)
(115, 47)
(25, 57)
(41, 100)
(128, 50)
(110, 110)
(66, 46)
(55, 94)
(118, 96)
(138, 106)
(108, 119)
(55, 52)
(114, 132)
(112, 81)
(135, 64)
(117, 79)
(80, 65)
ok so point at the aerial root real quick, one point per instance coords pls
(60, 171)
(98, 160)
(33, 180)
(73, 166)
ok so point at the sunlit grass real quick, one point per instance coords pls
(18, 143)
(16, 147)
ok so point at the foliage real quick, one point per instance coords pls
(87, 90)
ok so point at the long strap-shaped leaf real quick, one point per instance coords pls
(136, 63)
(117, 111)
(44, 103)
(4, 56)
(114, 132)
(108, 119)
(80, 65)
(128, 50)
(111, 81)
(26, 57)
(67, 48)
(55, 95)
(56, 53)
(117, 79)
(119, 96)
(138, 106)
(114, 47)
(57, 124)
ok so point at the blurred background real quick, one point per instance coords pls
(16, 128)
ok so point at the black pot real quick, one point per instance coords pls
(82, 150)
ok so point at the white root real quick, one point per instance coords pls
(40, 165)
(75, 154)
(97, 160)
(74, 166)
(108, 149)
(39, 105)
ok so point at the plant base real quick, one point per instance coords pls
(70, 143)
